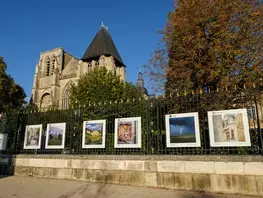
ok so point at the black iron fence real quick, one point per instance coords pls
(153, 131)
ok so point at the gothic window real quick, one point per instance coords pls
(48, 68)
(66, 96)
(53, 66)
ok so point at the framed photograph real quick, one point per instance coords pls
(33, 135)
(229, 128)
(182, 130)
(55, 137)
(3, 141)
(128, 132)
(94, 134)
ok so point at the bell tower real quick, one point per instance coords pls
(102, 52)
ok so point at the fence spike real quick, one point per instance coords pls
(254, 85)
(170, 95)
(193, 92)
(235, 87)
(244, 86)
(226, 88)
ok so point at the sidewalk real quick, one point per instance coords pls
(29, 187)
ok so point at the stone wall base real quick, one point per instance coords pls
(218, 176)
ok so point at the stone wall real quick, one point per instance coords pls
(219, 174)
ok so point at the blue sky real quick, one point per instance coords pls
(29, 27)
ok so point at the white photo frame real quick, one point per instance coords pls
(127, 132)
(3, 141)
(229, 128)
(95, 129)
(182, 130)
(33, 135)
(57, 131)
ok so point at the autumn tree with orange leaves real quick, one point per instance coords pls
(210, 43)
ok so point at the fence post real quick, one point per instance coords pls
(259, 128)
(17, 129)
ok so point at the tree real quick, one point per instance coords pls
(11, 94)
(211, 44)
(31, 106)
(100, 86)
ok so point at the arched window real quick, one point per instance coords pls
(53, 66)
(66, 96)
(47, 68)
(89, 67)
(46, 101)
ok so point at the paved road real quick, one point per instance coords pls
(29, 187)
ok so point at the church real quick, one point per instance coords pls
(57, 69)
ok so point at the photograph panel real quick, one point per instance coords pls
(229, 128)
(182, 130)
(55, 136)
(32, 137)
(94, 134)
(128, 132)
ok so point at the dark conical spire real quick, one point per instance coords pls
(102, 44)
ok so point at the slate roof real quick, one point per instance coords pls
(102, 44)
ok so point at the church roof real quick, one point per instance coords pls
(102, 44)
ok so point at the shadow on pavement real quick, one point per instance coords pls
(6, 166)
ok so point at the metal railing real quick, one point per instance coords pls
(152, 113)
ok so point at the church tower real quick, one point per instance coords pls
(102, 52)
(56, 70)
(140, 85)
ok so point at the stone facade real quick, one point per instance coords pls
(56, 69)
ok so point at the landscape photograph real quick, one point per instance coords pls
(33, 136)
(229, 127)
(94, 134)
(182, 130)
(55, 135)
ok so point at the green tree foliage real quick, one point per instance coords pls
(31, 106)
(211, 43)
(11, 94)
(100, 86)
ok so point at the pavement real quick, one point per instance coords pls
(30, 187)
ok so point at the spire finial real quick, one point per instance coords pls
(102, 25)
